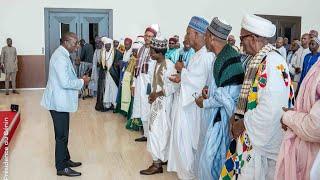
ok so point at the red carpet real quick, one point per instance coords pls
(9, 123)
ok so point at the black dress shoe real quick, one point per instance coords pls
(73, 164)
(142, 139)
(153, 169)
(68, 172)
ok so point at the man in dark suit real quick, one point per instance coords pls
(86, 52)
(86, 58)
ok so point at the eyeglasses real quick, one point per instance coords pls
(243, 37)
(148, 36)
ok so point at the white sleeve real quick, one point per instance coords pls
(194, 78)
(169, 86)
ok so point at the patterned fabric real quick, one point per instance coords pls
(143, 58)
(250, 77)
(240, 149)
(259, 83)
(288, 82)
(219, 28)
(317, 40)
(156, 109)
(238, 155)
(126, 85)
(199, 24)
(157, 75)
(236, 159)
(134, 124)
(159, 44)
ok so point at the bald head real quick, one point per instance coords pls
(279, 42)
(70, 42)
(69, 35)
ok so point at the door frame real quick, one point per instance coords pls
(47, 11)
(279, 20)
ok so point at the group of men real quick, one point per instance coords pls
(208, 121)
(206, 117)
(206, 110)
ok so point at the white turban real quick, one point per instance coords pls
(140, 39)
(155, 29)
(136, 45)
(258, 26)
(106, 40)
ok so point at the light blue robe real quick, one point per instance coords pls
(217, 138)
(172, 55)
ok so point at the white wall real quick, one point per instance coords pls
(24, 20)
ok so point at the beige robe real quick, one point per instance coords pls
(9, 59)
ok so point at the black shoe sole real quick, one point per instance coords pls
(73, 166)
(68, 175)
(138, 140)
(152, 173)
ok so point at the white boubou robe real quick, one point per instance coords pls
(111, 89)
(93, 85)
(297, 62)
(160, 116)
(263, 122)
(186, 115)
(141, 106)
(127, 55)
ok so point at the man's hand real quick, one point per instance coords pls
(152, 97)
(205, 92)
(284, 127)
(86, 80)
(287, 109)
(179, 66)
(175, 78)
(199, 101)
(77, 61)
(237, 127)
(297, 70)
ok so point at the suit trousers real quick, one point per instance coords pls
(61, 122)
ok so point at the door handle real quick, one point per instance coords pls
(77, 29)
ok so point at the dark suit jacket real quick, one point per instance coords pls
(87, 53)
(115, 68)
